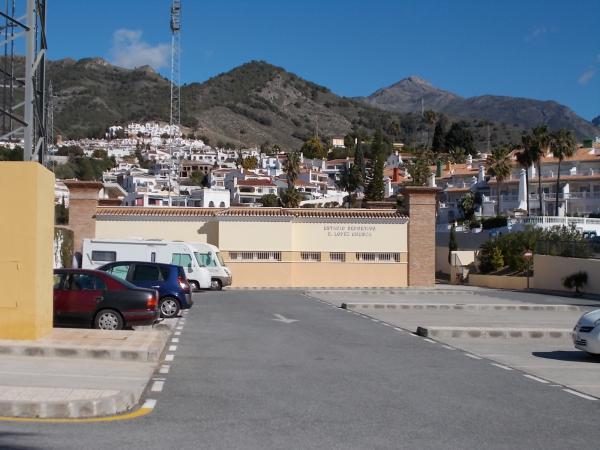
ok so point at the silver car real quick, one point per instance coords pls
(586, 334)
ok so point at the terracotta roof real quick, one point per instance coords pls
(552, 179)
(243, 212)
(338, 161)
(255, 182)
(457, 189)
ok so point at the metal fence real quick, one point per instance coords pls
(570, 249)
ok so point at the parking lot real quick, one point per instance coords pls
(516, 331)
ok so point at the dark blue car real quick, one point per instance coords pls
(169, 280)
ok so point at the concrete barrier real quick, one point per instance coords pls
(492, 333)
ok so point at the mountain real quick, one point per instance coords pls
(407, 94)
(253, 104)
(596, 121)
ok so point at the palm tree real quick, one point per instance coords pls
(431, 118)
(525, 161)
(499, 165)
(291, 168)
(563, 145)
(540, 141)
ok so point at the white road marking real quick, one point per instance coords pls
(164, 368)
(178, 333)
(172, 348)
(539, 380)
(179, 328)
(169, 357)
(430, 340)
(157, 386)
(385, 324)
(149, 404)
(175, 340)
(447, 347)
(579, 394)
(472, 356)
(398, 329)
(280, 318)
(374, 320)
(501, 366)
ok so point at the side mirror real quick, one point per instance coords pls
(189, 268)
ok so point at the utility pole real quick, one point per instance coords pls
(175, 111)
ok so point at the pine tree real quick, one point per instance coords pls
(375, 189)
(437, 145)
(452, 244)
(359, 161)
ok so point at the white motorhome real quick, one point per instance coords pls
(192, 257)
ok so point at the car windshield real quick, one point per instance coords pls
(125, 283)
(220, 259)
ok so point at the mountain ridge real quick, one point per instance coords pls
(407, 94)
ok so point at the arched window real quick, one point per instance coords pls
(222, 205)
(211, 204)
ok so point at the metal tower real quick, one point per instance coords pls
(175, 112)
(175, 118)
(23, 110)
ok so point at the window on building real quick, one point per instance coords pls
(255, 256)
(378, 257)
(103, 256)
(337, 257)
(310, 256)
(222, 204)
(211, 204)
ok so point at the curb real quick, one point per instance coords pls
(106, 406)
(360, 290)
(493, 333)
(464, 307)
(127, 354)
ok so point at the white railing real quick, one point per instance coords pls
(254, 256)
(554, 221)
(378, 257)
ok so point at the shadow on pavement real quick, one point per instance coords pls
(8, 441)
(564, 355)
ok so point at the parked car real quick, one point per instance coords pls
(168, 279)
(96, 299)
(586, 334)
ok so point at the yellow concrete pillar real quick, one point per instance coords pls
(26, 240)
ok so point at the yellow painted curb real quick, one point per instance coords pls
(145, 409)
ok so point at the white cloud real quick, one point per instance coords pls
(586, 76)
(535, 34)
(130, 51)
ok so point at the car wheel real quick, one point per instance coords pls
(216, 285)
(195, 285)
(108, 319)
(169, 307)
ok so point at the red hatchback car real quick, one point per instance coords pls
(91, 298)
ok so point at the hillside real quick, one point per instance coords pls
(252, 104)
(405, 96)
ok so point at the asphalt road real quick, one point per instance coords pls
(331, 380)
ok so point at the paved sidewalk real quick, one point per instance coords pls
(79, 373)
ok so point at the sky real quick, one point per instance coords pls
(547, 50)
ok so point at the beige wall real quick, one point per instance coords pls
(252, 235)
(550, 271)
(190, 231)
(289, 236)
(26, 250)
(354, 237)
(324, 274)
(441, 260)
(498, 282)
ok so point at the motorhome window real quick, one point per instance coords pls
(145, 272)
(181, 259)
(119, 271)
(104, 256)
(205, 259)
(220, 258)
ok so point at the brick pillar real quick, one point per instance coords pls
(83, 202)
(421, 235)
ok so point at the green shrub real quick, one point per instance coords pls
(576, 280)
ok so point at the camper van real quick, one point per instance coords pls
(200, 261)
